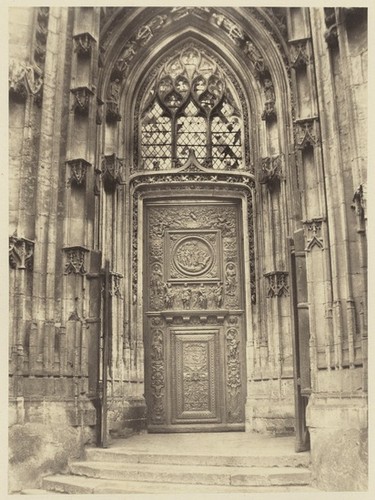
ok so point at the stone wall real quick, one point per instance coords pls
(71, 210)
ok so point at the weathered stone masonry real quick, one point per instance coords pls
(77, 186)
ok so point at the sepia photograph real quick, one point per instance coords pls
(187, 224)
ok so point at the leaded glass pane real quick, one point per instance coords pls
(191, 134)
(156, 145)
(226, 139)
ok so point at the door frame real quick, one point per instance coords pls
(237, 195)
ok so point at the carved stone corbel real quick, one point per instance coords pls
(299, 54)
(75, 260)
(112, 171)
(313, 233)
(21, 253)
(277, 284)
(78, 170)
(84, 43)
(307, 133)
(271, 171)
(82, 97)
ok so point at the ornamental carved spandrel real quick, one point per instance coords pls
(192, 217)
(313, 233)
(277, 284)
(157, 382)
(233, 376)
(75, 260)
(142, 38)
(21, 253)
(78, 171)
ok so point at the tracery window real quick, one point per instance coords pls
(191, 104)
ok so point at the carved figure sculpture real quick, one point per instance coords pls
(218, 294)
(186, 296)
(202, 297)
(168, 296)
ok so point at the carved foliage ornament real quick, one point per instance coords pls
(277, 284)
(233, 375)
(21, 253)
(78, 171)
(75, 260)
(25, 80)
(157, 376)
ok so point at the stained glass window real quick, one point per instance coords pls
(191, 105)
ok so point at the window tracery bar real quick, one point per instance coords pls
(191, 105)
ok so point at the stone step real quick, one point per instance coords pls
(83, 485)
(233, 476)
(125, 455)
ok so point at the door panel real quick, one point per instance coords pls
(194, 390)
(194, 319)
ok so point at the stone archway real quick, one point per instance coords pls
(259, 80)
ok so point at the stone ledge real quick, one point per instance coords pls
(337, 414)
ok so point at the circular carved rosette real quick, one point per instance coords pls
(193, 256)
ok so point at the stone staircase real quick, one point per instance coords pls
(188, 463)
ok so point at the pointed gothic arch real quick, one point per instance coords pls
(246, 53)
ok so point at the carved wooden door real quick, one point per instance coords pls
(194, 319)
